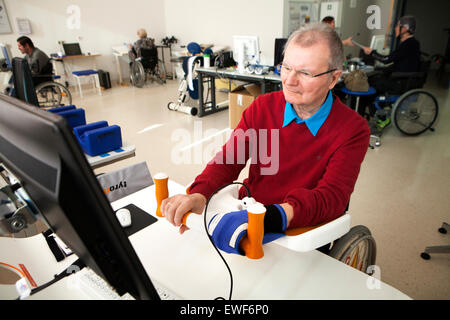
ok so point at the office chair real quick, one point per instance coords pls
(437, 249)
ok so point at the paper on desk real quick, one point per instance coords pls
(33, 255)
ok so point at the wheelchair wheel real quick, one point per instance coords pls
(160, 72)
(415, 112)
(357, 249)
(53, 94)
(137, 74)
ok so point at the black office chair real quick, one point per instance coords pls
(147, 65)
(437, 249)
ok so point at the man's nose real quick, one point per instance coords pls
(291, 78)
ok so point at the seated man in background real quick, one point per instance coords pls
(316, 146)
(38, 61)
(330, 21)
(406, 58)
(142, 42)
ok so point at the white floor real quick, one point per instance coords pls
(402, 194)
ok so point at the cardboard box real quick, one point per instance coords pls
(240, 98)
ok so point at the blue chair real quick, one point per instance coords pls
(358, 95)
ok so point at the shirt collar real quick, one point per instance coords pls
(313, 123)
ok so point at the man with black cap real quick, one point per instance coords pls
(407, 57)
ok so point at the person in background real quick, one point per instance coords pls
(316, 143)
(406, 58)
(330, 21)
(38, 61)
(143, 42)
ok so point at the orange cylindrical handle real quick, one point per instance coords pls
(252, 243)
(161, 191)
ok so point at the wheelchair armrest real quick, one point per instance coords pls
(310, 238)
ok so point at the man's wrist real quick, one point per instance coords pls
(275, 219)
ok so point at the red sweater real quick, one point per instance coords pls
(314, 174)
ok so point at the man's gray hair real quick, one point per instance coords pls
(313, 33)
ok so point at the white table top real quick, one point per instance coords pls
(189, 266)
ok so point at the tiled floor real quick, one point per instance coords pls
(402, 194)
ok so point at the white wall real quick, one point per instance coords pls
(104, 24)
(217, 21)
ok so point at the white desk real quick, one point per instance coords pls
(189, 266)
(119, 51)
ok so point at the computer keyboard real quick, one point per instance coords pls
(98, 289)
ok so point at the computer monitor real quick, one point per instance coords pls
(23, 82)
(377, 43)
(72, 49)
(40, 150)
(278, 55)
(246, 49)
(6, 54)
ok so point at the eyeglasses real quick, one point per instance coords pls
(302, 75)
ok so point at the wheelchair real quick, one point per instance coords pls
(412, 109)
(147, 66)
(52, 94)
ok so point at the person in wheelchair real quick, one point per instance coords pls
(143, 42)
(316, 146)
(406, 58)
(40, 64)
(144, 61)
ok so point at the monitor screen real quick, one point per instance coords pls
(72, 49)
(6, 54)
(40, 150)
(279, 48)
(377, 43)
(23, 82)
(246, 49)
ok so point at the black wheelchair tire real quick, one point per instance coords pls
(343, 248)
(160, 72)
(137, 74)
(60, 87)
(397, 109)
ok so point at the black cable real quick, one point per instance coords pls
(210, 238)
(67, 272)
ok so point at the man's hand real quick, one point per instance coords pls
(348, 42)
(367, 50)
(174, 208)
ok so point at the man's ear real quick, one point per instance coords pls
(335, 78)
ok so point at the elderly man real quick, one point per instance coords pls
(320, 142)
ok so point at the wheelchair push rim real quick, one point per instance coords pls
(415, 112)
(137, 74)
(357, 249)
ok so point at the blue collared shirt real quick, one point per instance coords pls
(313, 123)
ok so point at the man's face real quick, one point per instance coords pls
(23, 49)
(307, 92)
(399, 30)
